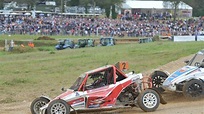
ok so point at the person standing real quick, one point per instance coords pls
(11, 45)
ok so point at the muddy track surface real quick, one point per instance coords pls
(176, 103)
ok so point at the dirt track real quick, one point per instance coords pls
(176, 104)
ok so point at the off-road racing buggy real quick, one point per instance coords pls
(65, 43)
(104, 88)
(189, 79)
(85, 43)
(107, 41)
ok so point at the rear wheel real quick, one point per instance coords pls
(37, 104)
(158, 79)
(58, 106)
(148, 100)
(193, 89)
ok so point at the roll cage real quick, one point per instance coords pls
(108, 74)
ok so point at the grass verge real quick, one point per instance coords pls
(25, 76)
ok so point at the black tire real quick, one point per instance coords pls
(158, 78)
(37, 104)
(193, 89)
(148, 100)
(58, 106)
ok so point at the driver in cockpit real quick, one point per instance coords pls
(99, 80)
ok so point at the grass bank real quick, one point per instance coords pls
(25, 76)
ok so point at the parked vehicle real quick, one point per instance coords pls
(64, 44)
(189, 79)
(108, 41)
(145, 40)
(85, 43)
(104, 88)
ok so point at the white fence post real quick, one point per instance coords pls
(6, 45)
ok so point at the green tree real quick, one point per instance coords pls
(74, 2)
(30, 3)
(174, 5)
(68, 2)
(1, 4)
(61, 3)
(86, 3)
(105, 4)
(198, 9)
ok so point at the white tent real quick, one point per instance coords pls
(153, 6)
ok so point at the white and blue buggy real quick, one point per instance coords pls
(189, 79)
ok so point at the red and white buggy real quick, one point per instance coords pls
(104, 88)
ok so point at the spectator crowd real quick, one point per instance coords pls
(87, 26)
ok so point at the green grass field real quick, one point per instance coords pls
(24, 76)
(27, 37)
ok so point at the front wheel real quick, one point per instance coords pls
(158, 78)
(193, 89)
(37, 104)
(148, 100)
(58, 106)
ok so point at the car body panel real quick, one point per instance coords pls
(88, 92)
(85, 43)
(193, 70)
(107, 41)
(64, 44)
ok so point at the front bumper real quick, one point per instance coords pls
(174, 87)
(170, 87)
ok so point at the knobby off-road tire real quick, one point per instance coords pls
(148, 100)
(37, 104)
(58, 106)
(158, 77)
(193, 89)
